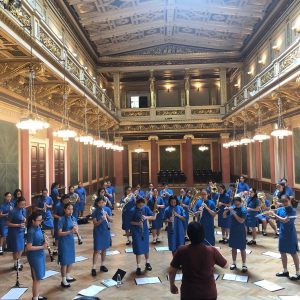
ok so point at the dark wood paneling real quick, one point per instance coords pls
(140, 169)
(59, 164)
(38, 167)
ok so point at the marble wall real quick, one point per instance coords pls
(73, 162)
(296, 137)
(169, 160)
(265, 159)
(201, 160)
(85, 164)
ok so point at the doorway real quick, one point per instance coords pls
(140, 168)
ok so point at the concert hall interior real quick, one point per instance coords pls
(152, 100)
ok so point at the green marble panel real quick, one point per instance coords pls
(85, 161)
(244, 160)
(201, 160)
(94, 163)
(296, 133)
(265, 159)
(107, 157)
(100, 162)
(73, 162)
(169, 160)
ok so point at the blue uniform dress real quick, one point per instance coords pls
(5, 208)
(101, 233)
(158, 222)
(223, 222)
(126, 213)
(207, 221)
(186, 201)
(288, 242)
(175, 230)
(263, 217)
(111, 190)
(15, 236)
(81, 192)
(140, 234)
(166, 197)
(242, 187)
(237, 238)
(54, 195)
(251, 215)
(214, 197)
(58, 210)
(47, 216)
(66, 245)
(141, 193)
(75, 205)
(36, 258)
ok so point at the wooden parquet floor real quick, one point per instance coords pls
(259, 266)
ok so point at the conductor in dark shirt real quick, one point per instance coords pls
(197, 262)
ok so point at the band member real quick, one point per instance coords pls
(101, 216)
(237, 239)
(75, 200)
(139, 192)
(102, 193)
(110, 191)
(81, 192)
(222, 202)
(185, 202)
(205, 212)
(155, 202)
(16, 231)
(35, 250)
(150, 191)
(5, 208)
(128, 202)
(288, 242)
(231, 191)
(253, 207)
(18, 194)
(66, 245)
(55, 193)
(165, 194)
(210, 185)
(242, 185)
(139, 215)
(175, 216)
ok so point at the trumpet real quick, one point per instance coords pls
(46, 240)
(214, 188)
(125, 201)
(77, 233)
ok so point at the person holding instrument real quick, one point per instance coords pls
(35, 247)
(81, 192)
(127, 202)
(253, 208)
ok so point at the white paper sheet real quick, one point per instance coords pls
(272, 254)
(109, 282)
(112, 252)
(147, 280)
(14, 293)
(268, 285)
(233, 277)
(248, 251)
(80, 258)
(50, 273)
(128, 250)
(216, 276)
(178, 277)
(91, 291)
(162, 248)
(112, 235)
(289, 297)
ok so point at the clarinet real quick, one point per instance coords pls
(77, 234)
(173, 216)
(46, 239)
(142, 224)
(104, 215)
(17, 282)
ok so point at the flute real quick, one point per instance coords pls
(46, 240)
(77, 234)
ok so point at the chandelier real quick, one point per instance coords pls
(234, 142)
(99, 142)
(245, 140)
(170, 149)
(260, 135)
(281, 131)
(139, 149)
(85, 138)
(203, 148)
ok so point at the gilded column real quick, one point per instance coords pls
(223, 86)
(152, 89)
(117, 89)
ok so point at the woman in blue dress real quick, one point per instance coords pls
(288, 242)
(140, 214)
(55, 193)
(102, 217)
(127, 202)
(155, 201)
(237, 239)
(185, 202)
(35, 250)
(205, 212)
(175, 217)
(222, 202)
(5, 208)
(75, 200)
(81, 192)
(253, 208)
(16, 231)
(66, 246)
(18, 194)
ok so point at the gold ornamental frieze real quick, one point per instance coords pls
(170, 112)
(49, 43)
(288, 60)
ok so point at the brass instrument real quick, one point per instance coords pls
(125, 201)
(155, 209)
(194, 199)
(236, 188)
(77, 233)
(275, 202)
(73, 198)
(46, 240)
(214, 188)
(261, 197)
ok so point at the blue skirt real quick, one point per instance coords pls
(56, 229)
(3, 229)
(102, 239)
(15, 239)
(37, 262)
(48, 221)
(288, 244)
(81, 206)
(140, 241)
(66, 250)
(175, 235)
(223, 222)
(237, 238)
(126, 220)
(251, 219)
(158, 222)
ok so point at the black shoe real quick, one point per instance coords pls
(158, 241)
(138, 271)
(54, 243)
(128, 243)
(65, 285)
(186, 239)
(233, 267)
(55, 252)
(154, 242)
(295, 277)
(94, 272)
(1, 252)
(252, 242)
(276, 235)
(103, 269)
(71, 280)
(264, 233)
(282, 274)
(148, 267)
(222, 241)
(42, 298)
(225, 241)
(244, 269)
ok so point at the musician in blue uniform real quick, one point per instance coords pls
(175, 217)
(222, 202)
(237, 240)
(35, 250)
(231, 190)
(66, 246)
(5, 208)
(102, 193)
(74, 198)
(128, 202)
(54, 193)
(139, 215)
(253, 208)
(149, 192)
(185, 202)
(242, 185)
(139, 192)
(81, 192)
(18, 194)
(111, 193)
(157, 224)
(205, 212)
(165, 194)
(288, 241)
(16, 231)
(102, 217)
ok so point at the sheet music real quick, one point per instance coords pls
(112, 252)
(49, 273)
(109, 282)
(147, 280)
(128, 250)
(233, 277)
(268, 285)
(216, 276)
(272, 254)
(14, 293)
(91, 291)
(289, 297)
(80, 258)
(163, 248)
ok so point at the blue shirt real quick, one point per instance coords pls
(242, 187)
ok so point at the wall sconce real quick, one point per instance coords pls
(296, 28)
(237, 85)
(250, 72)
(262, 61)
(275, 47)
(198, 86)
(168, 87)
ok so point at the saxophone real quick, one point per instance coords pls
(275, 203)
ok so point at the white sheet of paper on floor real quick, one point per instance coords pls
(128, 250)
(91, 291)
(14, 293)
(80, 258)
(112, 252)
(178, 277)
(50, 273)
(268, 285)
(233, 277)
(289, 297)
(162, 248)
(147, 280)
(112, 235)
(109, 282)
(272, 254)
(248, 251)
(216, 276)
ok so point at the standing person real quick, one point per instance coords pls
(139, 192)
(101, 216)
(16, 231)
(35, 250)
(157, 224)
(175, 216)
(237, 239)
(165, 194)
(81, 192)
(18, 194)
(231, 191)
(139, 215)
(288, 242)
(54, 193)
(102, 193)
(205, 212)
(66, 245)
(242, 186)
(253, 207)
(222, 202)
(5, 209)
(197, 262)
(185, 202)
(111, 193)
(75, 200)
(149, 193)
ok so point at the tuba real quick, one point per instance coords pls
(275, 203)
(195, 197)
